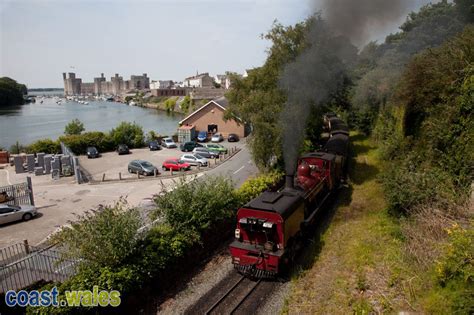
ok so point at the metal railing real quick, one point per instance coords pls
(22, 193)
(23, 265)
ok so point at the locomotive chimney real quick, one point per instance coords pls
(289, 181)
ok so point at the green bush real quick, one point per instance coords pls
(79, 143)
(194, 206)
(170, 104)
(427, 139)
(127, 133)
(454, 274)
(185, 104)
(407, 184)
(162, 245)
(254, 186)
(105, 237)
(45, 145)
(75, 127)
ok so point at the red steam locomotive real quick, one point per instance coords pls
(270, 227)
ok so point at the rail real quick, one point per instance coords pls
(229, 291)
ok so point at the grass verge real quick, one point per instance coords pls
(358, 265)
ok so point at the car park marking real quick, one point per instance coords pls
(239, 169)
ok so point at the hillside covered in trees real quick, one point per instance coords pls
(11, 92)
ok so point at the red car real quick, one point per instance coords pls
(175, 165)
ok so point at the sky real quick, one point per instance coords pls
(167, 39)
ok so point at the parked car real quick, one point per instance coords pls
(10, 213)
(204, 152)
(194, 159)
(154, 146)
(233, 137)
(168, 143)
(92, 152)
(217, 137)
(175, 165)
(202, 136)
(189, 146)
(142, 167)
(216, 148)
(123, 149)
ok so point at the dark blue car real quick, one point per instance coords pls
(202, 136)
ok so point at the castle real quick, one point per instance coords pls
(116, 86)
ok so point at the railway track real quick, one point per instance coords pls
(234, 294)
(227, 303)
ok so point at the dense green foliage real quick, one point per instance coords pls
(47, 146)
(127, 133)
(428, 138)
(258, 100)
(115, 253)
(102, 238)
(255, 186)
(380, 67)
(196, 205)
(79, 143)
(11, 92)
(75, 127)
(185, 104)
(454, 275)
(170, 103)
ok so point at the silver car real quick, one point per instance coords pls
(217, 137)
(16, 213)
(204, 152)
(168, 143)
(194, 159)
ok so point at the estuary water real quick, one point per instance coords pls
(30, 122)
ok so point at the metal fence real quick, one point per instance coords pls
(22, 193)
(22, 265)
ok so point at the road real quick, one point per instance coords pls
(58, 202)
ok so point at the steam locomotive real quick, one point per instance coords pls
(270, 227)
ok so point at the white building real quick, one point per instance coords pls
(199, 81)
(162, 84)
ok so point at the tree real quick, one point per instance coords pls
(380, 67)
(104, 237)
(258, 100)
(127, 133)
(11, 92)
(75, 127)
(185, 104)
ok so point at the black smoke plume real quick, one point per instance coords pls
(309, 81)
(317, 72)
(357, 18)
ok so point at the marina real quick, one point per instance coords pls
(47, 117)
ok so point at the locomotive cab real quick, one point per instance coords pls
(265, 228)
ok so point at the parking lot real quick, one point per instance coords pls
(58, 201)
(111, 164)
